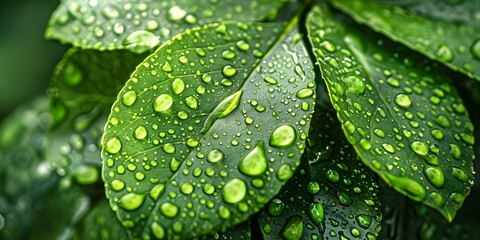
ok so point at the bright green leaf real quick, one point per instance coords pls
(141, 26)
(447, 32)
(84, 85)
(211, 100)
(398, 109)
(333, 196)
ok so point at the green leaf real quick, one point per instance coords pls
(208, 129)
(241, 232)
(140, 26)
(100, 223)
(333, 196)
(447, 32)
(398, 109)
(83, 87)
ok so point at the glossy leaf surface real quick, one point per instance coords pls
(84, 85)
(141, 26)
(446, 31)
(333, 196)
(398, 109)
(208, 129)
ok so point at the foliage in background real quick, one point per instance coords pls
(248, 119)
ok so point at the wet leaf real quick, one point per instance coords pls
(241, 232)
(398, 109)
(84, 85)
(100, 223)
(208, 129)
(333, 196)
(446, 31)
(141, 26)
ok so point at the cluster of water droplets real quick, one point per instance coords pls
(406, 120)
(209, 130)
(141, 26)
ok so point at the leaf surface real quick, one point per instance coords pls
(333, 196)
(208, 129)
(442, 30)
(83, 87)
(141, 26)
(399, 110)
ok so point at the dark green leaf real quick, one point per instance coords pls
(140, 26)
(208, 129)
(238, 232)
(334, 196)
(398, 109)
(84, 85)
(447, 32)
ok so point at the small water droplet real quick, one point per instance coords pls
(131, 201)
(228, 54)
(459, 174)
(168, 148)
(117, 185)
(364, 220)
(178, 86)
(140, 132)
(354, 85)
(275, 207)
(229, 71)
(234, 191)
(305, 93)
(284, 172)
(419, 148)
(444, 53)
(403, 100)
(283, 136)
(455, 151)
(215, 155)
(270, 80)
(443, 121)
(332, 175)
(242, 45)
(157, 230)
(435, 176)
(255, 162)
(72, 75)
(113, 145)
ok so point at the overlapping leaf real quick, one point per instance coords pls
(402, 115)
(84, 85)
(208, 129)
(140, 26)
(334, 196)
(447, 32)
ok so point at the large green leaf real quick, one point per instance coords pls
(140, 26)
(208, 129)
(398, 109)
(447, 32)
(334, 196)
(84, 85)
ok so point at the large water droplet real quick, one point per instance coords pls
(178, 86)
(406, 186)
(443, 121)
(304, 93)
(117, 185)
(215, 155)
(435, 176)
(316, 213)
(403, 100)
(113, 145)
(284, 172)
(419, 148)
(157, 230)
(175, 13)
(275, 207)
(344, 198)
(140, 132)
(229, 71)
(364, 220)
(459, 174)
(293, 229)
(169, 210)
(444, 53)
(140, 41)
(283, 136)
(332, 175)
(162, 103)
(129, 98)
(455, 151)
(234, 191)
(354, 85)
(131, 201)
(255, 162)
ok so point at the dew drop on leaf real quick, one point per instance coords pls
(283, 136)
(234, 191)
(131, 201)
(255, 162)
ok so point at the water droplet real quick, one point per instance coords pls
(215, 155)
(354, 85)
(167, 67)
(459, 174)
(435, 176)
(344, 198)
(228, 54)
(406, 186)
(117, 185)
(283, 136)
(437, 134)
(284, 172)
(190, 19)
(175, 13)
(157, 191)
(316, 213)
(242, 45)
(191, 102)
(305, 93)
(72, 75)
(379, 132)
(436, 198)
(455, 151)
(270, 80)
(129, 98)
(457, 198)
(110, 11)
(475, 49)
(403, 100)
(255, 162)
(365, 144)
(234, 191)
(157, 230)
(162, 103)
(389, 148)
(443, 121)
(293, 229)
(131, 201)
(444, 53)
(313, 187)
(229, 71)
(113, 145)
(223, 212)
(468, 138)
(168, 148)
(169, 210)
(178, 86)
(140, 132)
(332, 175)
(364, 220)
(275, 207)
(140, 41)
(118, 28)
(419, 148)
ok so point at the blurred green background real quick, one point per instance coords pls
(26, 58)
